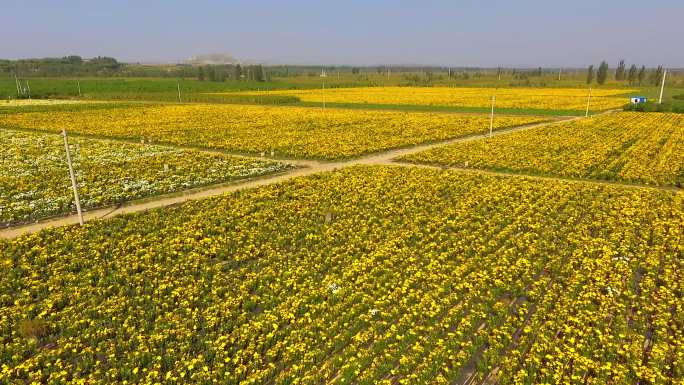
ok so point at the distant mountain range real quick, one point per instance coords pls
(218, 58)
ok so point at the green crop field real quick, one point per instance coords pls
(166, 89)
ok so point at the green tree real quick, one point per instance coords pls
(258, 73)
(210, 72)
(657, 75)
(620, 71)
(632, 75)
(200, 74)
(237, 72)
(73, 59)
(590, 74)
(602, 73)
(220, 74)
(642, 74)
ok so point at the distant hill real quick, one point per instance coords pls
(213, 59)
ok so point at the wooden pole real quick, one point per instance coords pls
(79, 87)
(179, 94)
(28, 89)
(73, 178)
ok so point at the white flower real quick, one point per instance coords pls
(334, 288)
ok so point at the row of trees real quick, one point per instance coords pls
(634, 76)
(65, 66)
(73, 66)
(220, 73)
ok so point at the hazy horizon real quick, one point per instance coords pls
(458, 34)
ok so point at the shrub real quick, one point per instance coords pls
(654, 107)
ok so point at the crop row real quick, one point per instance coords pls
(525, 98)
(626, 146)
(34, 178)
(286, 131)
(367, 275)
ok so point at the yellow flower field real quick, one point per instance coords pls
(40, 102)
(534, 98)
(369, 275)
(626, 146)
(34, 179)
(293, 132)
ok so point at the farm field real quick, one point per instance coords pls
(412, 193)
(634, 147)
(369, 275)
(285, 131)
(34, 179)
(571, 99)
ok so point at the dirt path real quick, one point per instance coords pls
(307, 167)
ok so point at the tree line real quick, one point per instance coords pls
(65, 66)
(220, 73)
(635, 76)
(74, 66)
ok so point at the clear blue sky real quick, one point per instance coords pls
(455, 33)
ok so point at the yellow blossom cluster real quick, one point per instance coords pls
(34, 177)
(627, 146)
(287, 131)
(372, 274)
(522, 98)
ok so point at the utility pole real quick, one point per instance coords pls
(28, 89)
(662, 87)
(586, 114)
(179, 94)
(491, 117)
(73, 178)
(559, 73)
(323, 76)
(16, 81)
(78, 82)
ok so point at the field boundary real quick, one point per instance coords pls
(536, 177)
